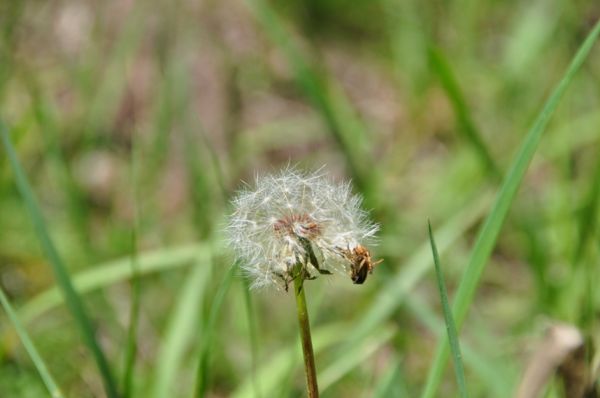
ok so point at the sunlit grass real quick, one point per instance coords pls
(491, 228)
(422, 105)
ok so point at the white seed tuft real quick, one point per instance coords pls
(296, 219)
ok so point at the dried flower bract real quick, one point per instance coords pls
(297, 224)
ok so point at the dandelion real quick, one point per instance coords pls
(293, 226)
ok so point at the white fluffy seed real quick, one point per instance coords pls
(273, 221)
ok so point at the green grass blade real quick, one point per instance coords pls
(466, 125)
(110, 84)
(253, 335)
(47, 121)
(394, 293)
(106, 274)
(354, 357)
(588, 219)
(450, 325)
(36, 358)
(391, 383)
(61, 274)
(491, 228)
(578, 302)
(497, 375)
(183, 325)
(338, 115)
(131, 345)
(590, 308)
(203, 375)
(273, 372)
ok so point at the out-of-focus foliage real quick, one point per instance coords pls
(144, 117)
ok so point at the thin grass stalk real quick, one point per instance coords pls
(450, 325)
(276, 371)
(496, 376)
(134, 314)
(252, 327)
(203, 372)
(490, 230)
(47, 121)
(131, 347)
(36, 358)
(584, 256)
(100, 276)
(305, 336)
(467, 127)
(63, 279)
(396, 291)
(355, 357)
(347, 131)
(184, 324)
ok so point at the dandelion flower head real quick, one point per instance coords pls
(295, 220)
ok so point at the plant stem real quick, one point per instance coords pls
(307, 348)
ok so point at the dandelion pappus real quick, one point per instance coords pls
(299, 225)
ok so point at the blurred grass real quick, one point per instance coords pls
(421, 104)
(490, 230)
(344, 126)
(104, 275)
(131, 346)
(61, 274)
(182, 328)
(203, 372)
(448, 319)
(273, 372)
(37, 360)
(441, 67)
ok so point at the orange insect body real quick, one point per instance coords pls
(361, 264)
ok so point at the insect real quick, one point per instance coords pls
(361, 263)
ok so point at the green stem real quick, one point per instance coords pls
(307, 348)
(253, 338)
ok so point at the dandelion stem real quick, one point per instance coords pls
(307, 348)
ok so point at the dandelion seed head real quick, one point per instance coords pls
(295, 218)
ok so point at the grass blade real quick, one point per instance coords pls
(343, 364)
(589, 232)
(450, 325)
(111, 272)
(498, 375)
(61, 274)
(343, 124)
(273, 371)
(131, 346)
(589, 215)
(394, 293)
(253, 329)
(47, 121)
(182, 327)
(36, 358)
(491, 228)
(578, 296)
(441, 67)
(202, 375)
(391, 383)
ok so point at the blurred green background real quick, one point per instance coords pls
(135, 121)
